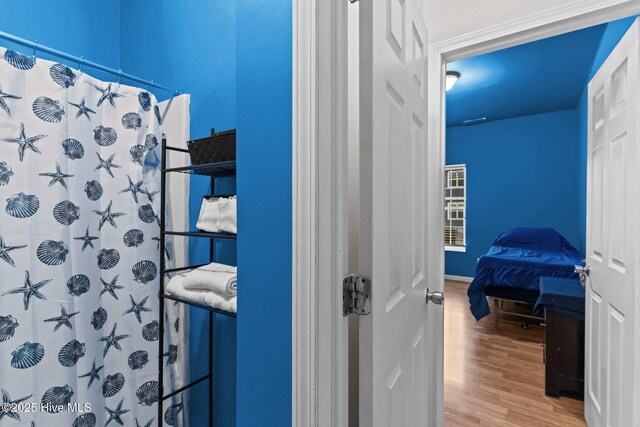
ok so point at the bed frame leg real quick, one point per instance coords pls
(496, 312)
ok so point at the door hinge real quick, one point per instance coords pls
(356, 295)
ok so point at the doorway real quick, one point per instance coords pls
(516, 157)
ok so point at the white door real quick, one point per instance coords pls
(393, 215)
(612, 384)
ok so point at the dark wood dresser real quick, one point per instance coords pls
(562, 301)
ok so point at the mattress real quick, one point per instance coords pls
(517, 260)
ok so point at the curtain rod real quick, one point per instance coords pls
(80, 60)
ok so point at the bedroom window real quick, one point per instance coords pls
(455, 208)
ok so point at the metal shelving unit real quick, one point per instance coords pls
(212, 170)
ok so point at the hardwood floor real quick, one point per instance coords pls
(496, 377)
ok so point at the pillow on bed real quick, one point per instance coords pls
(541, 239)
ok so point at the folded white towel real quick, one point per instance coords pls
(208, 216)
(218, 214)
(213, 277)
(211, 299)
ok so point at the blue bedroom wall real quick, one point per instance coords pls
(521, 172)
(264, 64)
(190, 45)
(610, 38)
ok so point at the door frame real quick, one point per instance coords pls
(319, 217)
(319, 45)
(530, 28)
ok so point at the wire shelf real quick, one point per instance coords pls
(201, 234)
(197, 304)
(212, 170)
(220, 169)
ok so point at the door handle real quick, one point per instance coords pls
(583, 272)
(583, 269)
(435, 297)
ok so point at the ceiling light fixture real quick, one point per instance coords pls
(451, 79)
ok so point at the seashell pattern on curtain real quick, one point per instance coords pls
(79, 255)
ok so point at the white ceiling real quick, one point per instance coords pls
(450, 18)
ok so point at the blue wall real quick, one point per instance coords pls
(190, 45)
(610, 38)
(521, 172)
(85, 28)
(263, 63)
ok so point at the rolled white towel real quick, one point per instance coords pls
(227, 215)
(213, 277)
(177, 280)
(208, 298)
(208, 217)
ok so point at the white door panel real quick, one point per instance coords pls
(393, 113)
(611, 389)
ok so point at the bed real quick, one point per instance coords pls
(512, 268)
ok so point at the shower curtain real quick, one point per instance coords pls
(79, 250)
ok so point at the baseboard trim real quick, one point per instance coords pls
(458, 278)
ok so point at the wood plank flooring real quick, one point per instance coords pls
(496, 377)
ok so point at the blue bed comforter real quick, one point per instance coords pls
(518, 258)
